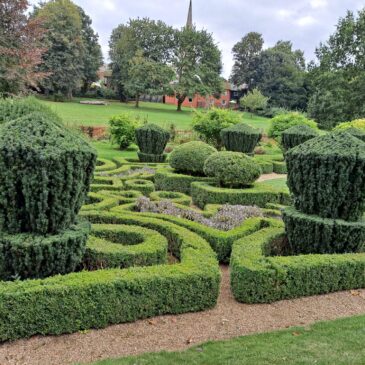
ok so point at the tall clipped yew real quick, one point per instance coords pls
(297, 135)
(240, 138)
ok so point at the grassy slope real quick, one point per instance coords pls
(338, 342)
(74, 113)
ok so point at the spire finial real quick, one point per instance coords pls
(189, 23)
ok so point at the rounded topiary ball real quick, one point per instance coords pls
(45, 174)
(232, 169)
(326, 176)
(190, 157)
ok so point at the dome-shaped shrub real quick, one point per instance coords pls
(190, 157)
(240, 138)
(45, 173)
(232, 169)
(297, 135)
(326, 175)
(356, 132)
(152, 141)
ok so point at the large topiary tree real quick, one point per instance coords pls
(45, 174)
(326, 176)
(297, 135)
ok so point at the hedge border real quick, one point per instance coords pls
(257, 278)
(79, 301)
(146, 187)
(173, 196)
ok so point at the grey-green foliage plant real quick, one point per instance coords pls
(297, 135)
(45, 173)
(240, 138)
(232, 169)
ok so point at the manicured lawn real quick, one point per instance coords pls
(278, 183)
(339, 342)
(107, 150)
(73, 113)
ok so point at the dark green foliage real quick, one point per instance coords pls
(122, 246)
(260, 194)
(190, 157)
(279, 167)
(258, 278)
(232, 169)
(168, 180)
(25, 256)
(356, 132)
(327, 178)
(240, 138)
(152, 139)
(45, 173)
(79, 301)
(146, 187)
(297, 135)
(11, 109)
(313, 234)
(146, 157)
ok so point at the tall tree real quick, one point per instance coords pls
(64, 59)
(93, 58)
(197, 65)
(245, 55)
(20, 48)
(337, 80)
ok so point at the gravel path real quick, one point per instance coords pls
(272, 176)
(228, 319)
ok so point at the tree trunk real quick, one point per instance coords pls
(180, 100)
(137, 101)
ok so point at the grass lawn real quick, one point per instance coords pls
(74, 114)
(339, 342)
(107, 150)
(278, 183)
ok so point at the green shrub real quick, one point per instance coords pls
(168, 180)
(358, 124)
(297, 135)
(152, 139)
(313, 234)
(279, 167)
(123, 129)
(175, 197)
(45, 174)
(209, 124)
(282, 122)
(79, 301)
(356, 132)
(326, 175)
(190, 157)
(122, 246)
(240, 138)
(25, 256)
(145, 157)
(146, 187)
(11, 109)
(232, 169)
(260, 194)
(259, 278)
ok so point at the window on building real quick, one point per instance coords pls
(190, 100)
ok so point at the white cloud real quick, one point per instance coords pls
(306, 20)
(284, 13)
(318, 3)
(108, 4)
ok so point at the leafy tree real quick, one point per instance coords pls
(254, 100)
(147, 77)
(197, 64)
(123, 130)
(92, 58)
(20, 48)
(337, 80)
(245, 54)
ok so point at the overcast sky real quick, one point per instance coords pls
(305, 22)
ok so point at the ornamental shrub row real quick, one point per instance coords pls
(146, 187)
(297, 135)
(175, 197)
(258, 278)
(84, 300)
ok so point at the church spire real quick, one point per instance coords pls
(189, 23)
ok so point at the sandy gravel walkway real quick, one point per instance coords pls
(272, 176)
(228, 319)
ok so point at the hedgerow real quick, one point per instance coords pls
(297, 135)
(146, 187)
(175, 197)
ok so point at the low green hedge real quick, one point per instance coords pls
(175, 197)
(259, 194)
(103, 165)
(28, 255)
(106, 183)
(313, 234)
(146, 187)
(279, 167)
(257, 278)
(84, 300)
(267, 167)
(146, 157)
(169, 180)
(122, 246)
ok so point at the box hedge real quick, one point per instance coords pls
(146, 187)
(297, 135)
(175, 197)
(84, 300)
(152, 140)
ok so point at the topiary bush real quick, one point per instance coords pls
(240, 138)
(327, 176)
(356, 132)
(297, 135)
(45, 174)
(152, 139)
(232, 169)
(357, 123)
(122, 130)
(282, 122)
(190, 157)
